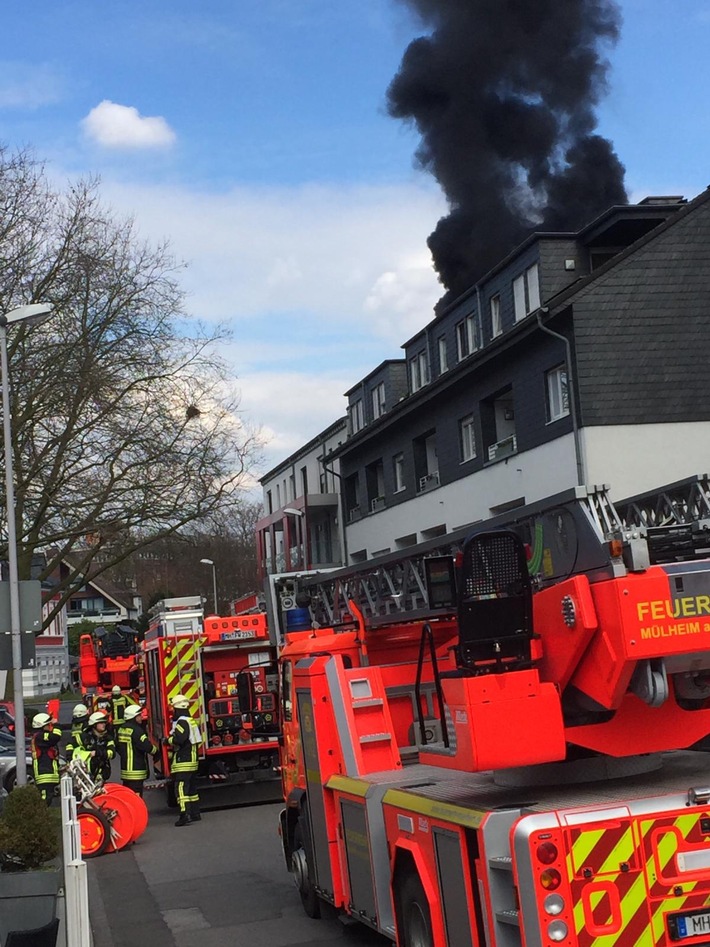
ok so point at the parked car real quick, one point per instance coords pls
(8, 765)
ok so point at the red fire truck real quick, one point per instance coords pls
(108, 657)
(227, 668)
(493, 741)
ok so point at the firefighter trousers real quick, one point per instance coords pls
(135, 784)
(186, 792)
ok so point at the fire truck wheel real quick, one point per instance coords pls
(301, 866)
(170, 797)
(414, 912)
(94, 832)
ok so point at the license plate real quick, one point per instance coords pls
(681, 926)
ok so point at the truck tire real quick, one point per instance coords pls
(302, 868)
(413, 912)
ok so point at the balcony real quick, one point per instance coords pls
(504, 448)
(378, 503)
(354, 514)
(429, 481)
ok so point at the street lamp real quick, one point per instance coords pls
(29, 315)
(208, 562)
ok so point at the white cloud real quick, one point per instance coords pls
(28, 85)
(122, 126)
(349, 256)
(320, 284)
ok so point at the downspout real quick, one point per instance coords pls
(570, 391)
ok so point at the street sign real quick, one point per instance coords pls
(30, 622)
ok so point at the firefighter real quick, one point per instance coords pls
(134, 746)
(96, 746)
(79, 723)
(45, 768)
(184, 741)
(119, 703)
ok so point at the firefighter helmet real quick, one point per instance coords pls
(40, 720)
(135, 710)
(80, 710)
(98, 717)
(116, 690)
(180, 702)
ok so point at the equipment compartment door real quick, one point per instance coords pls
(451, 868)
(357, 850)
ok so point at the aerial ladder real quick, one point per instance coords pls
(489, 738)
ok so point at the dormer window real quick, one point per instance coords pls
(378, 400)
(418, 371)
(356, 417)
(526, 292)
(468, 337)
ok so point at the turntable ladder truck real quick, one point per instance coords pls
(491, 740)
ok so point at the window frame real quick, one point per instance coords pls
(443, 354)
(526, 292)
(357, 420)
(378, 400)
(467, 438)
(398, 473)
(560, 393)
(496, 320)
(418, 371)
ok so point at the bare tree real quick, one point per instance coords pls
(125, 420)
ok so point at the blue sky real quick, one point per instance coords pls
(254, 137)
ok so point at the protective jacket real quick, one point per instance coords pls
(45, 753)
(184, 759)
(78, 726)
(134, 746)
(103, 747)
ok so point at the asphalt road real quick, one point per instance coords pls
(219, 882)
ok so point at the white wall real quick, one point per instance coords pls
(635, 458)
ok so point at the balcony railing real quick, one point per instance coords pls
(504, 448)
(429, 481)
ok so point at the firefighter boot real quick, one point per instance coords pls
(184, 819)
(195, 812)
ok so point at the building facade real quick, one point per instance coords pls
(580, 358)
(302, 524)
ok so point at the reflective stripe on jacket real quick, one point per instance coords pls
(184, 758)
(133, 748)
(44, 756)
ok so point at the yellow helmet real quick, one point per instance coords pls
(40, 720)
(180, 702)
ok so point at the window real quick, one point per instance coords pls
(557, 393)
(398, 467)
(467, 435)
(468, 337)
(378, 400)
(304, 480)
(356, 419)
(496, 326)
(526, 292)
(269, 502)
(443, 355)
(418, 371)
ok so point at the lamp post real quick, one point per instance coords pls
(29, 315)
(208, 562)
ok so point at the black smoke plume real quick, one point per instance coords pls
(503, 93)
